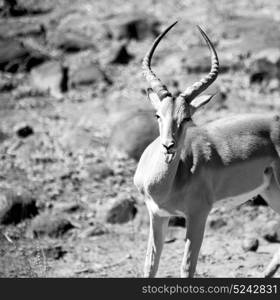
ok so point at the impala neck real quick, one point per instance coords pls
(161, 174)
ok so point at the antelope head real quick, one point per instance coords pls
(174, 114)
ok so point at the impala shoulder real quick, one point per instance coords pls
(198, 147)
(144, 164)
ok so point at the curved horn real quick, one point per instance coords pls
(191, 92)
(158, 87)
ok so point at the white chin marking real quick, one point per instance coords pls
(169, 157)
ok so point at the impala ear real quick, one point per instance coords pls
(153, 97)
(200, 101)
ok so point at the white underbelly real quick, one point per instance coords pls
(228, 202)
(233, 201)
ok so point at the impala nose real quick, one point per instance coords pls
(168, 145)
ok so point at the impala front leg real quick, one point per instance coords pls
(158, 228)
(273, 266)
(194, 237)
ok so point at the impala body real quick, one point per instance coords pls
(213, 154)
(190, 168)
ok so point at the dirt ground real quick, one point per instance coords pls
(65, 164)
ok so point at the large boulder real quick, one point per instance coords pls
(246, 35)
(52, 252)
(136, 26)
(17, 56)
(132, 134)
(17, 8)
(120, 55)
(49, 225)
(216, 222)
(88, 74)
(22, 29)
(87, 129)
(265, 65)
(78, 24)
(16, 205)
(71, 41)
(122, 210)
(51, 77)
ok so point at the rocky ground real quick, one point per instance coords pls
(74, 120)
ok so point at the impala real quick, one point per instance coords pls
(189, 168)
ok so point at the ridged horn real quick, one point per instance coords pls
(198, 87)
(158, 87)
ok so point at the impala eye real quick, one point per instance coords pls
(186, 119)
(157, 116)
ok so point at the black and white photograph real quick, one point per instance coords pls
(140, 139)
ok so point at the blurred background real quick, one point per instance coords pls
(74, 120)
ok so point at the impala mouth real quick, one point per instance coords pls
(169, 156)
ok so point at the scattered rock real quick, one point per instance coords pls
(99, 171)
(70, 208)
(26, 91)
(24, 131)
(121, 211)
(6, 86)
(174, 233)
(273, 85)
(7, 83)
(169, 240)
(265, 65)
(257, 201)
(94, 230)
(132, 134)
(250, 244)
(54, 252)
(88, 75)
(16, 205)
(272, 232)
(136, 26)
(216, 223)
(120, 55)
(51, 77)
(49, 225)
(176, 221)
